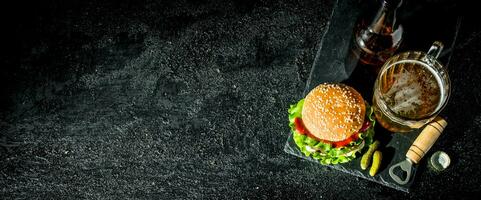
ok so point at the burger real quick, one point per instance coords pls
(332, 123)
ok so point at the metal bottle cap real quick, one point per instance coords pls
(440, 160)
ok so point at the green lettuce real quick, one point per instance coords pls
(324, 152)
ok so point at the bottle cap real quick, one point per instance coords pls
(440, 160)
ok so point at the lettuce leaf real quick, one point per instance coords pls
(326, 153)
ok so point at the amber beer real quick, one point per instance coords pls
(377, 40)
(410, 90)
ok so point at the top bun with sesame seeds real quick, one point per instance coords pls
(333, 112)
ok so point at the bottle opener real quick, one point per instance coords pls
(418, 149)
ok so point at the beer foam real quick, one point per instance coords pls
(415, 91)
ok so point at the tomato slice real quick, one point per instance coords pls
(346, 141)
(301, 129)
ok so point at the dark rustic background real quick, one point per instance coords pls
(187, 99)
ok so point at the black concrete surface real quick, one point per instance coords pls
(188, 100)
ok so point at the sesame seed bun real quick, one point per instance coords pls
(333, 112)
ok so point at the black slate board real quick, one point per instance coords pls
(336, 62)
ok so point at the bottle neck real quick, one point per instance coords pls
(385, 19)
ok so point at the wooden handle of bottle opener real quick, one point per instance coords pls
(426, 139)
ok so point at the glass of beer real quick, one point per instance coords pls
(411, 89)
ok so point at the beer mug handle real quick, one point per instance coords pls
(434, 51)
